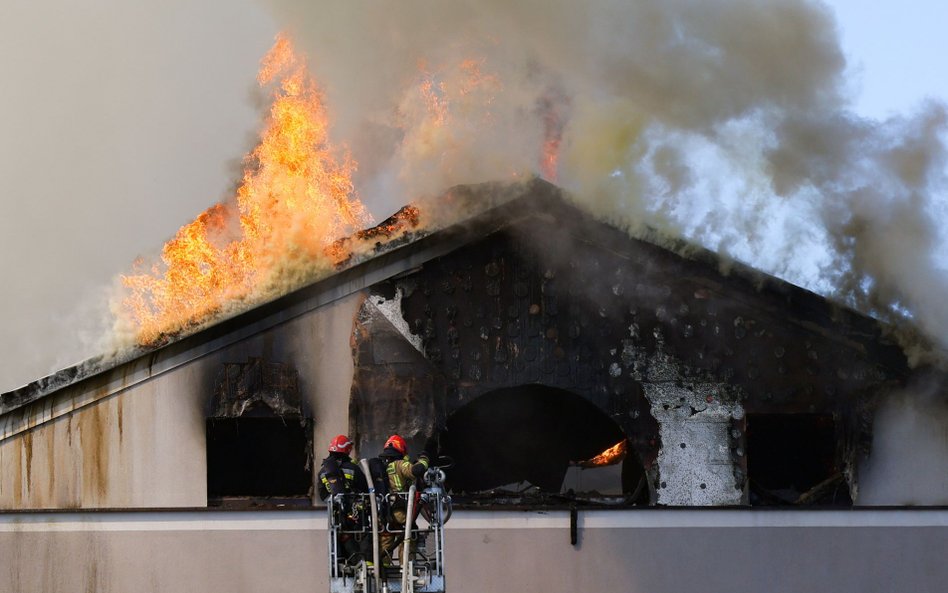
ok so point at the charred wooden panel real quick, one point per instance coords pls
(254, 388)
(395, 389)
(491, 316)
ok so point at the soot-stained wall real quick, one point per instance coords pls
(672, 349)
(144, 444)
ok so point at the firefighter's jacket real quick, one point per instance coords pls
(339, 474)
(402, 472)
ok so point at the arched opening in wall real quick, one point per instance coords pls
(526, 443)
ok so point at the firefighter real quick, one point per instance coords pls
(339, 475)
(399, 474)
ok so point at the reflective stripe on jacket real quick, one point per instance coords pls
(338, 476)
(400, 477)
(348, 478)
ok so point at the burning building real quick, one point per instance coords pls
(625, 392)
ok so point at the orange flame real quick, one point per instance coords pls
(553, 108)
(451, 109)
(610, 456)
(466, 81)
(453, 98)
(296, 198)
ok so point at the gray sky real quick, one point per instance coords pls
(120, 121)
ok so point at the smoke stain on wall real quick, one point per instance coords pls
(27, 444)
(51, 462)
(94, 441)
(119, 415)
(18, 480)
(66, 462)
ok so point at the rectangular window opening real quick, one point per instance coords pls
(259, 461)
(791, 460)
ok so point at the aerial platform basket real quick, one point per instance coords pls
(358, 523)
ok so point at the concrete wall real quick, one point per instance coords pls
(140, 448)
(650, 550)
(142, 444)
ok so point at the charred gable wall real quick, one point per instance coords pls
(676, 352)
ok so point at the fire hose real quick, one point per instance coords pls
(364, 463)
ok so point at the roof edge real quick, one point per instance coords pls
(446, 222)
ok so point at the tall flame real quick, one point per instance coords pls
(553, 107)
(296, 198)
(451, 106)
(445, 107)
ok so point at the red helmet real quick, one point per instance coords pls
(398, 443)
(340, 444)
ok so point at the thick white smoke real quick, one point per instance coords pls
(907, 465)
